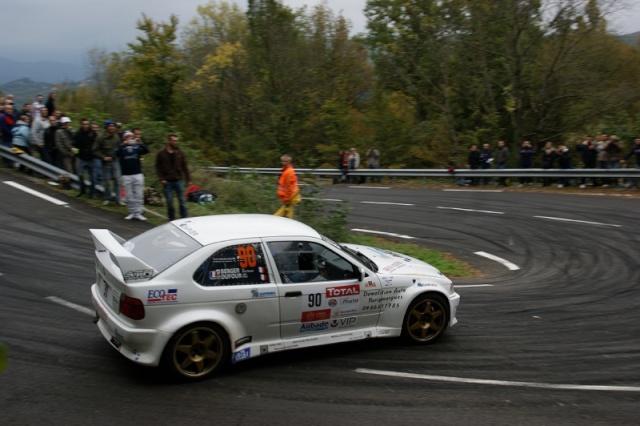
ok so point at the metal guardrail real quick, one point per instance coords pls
(43, 168)
(445, 173)
(53, 172)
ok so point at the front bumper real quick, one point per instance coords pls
(143, 346)
(454, 301)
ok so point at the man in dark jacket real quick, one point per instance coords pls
(172, 170)
(500, 158)
(105, 149)
(129, 153)
(527, 151)
(83, 144)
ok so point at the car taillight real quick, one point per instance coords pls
(131, 307)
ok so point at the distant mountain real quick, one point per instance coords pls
(631, 38)
(53, 72)
(25, 90)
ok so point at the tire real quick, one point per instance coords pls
(426, 320)
(196, 351)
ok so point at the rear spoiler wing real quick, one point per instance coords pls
(131, 268)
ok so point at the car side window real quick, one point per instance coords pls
(241, 264)
(303, 261)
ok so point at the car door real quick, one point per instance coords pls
(319, 289)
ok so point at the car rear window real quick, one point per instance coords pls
(161, 247)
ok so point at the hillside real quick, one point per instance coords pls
(25, 89)
(54, 72)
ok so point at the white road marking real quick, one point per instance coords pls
(472, 285)
(36, 193)
(470, 210)
(472, 190)
(71, 305)
(499, 382)
(390, 234)
(371, 187)
(386, 203)
(511, 266)
(577, 221)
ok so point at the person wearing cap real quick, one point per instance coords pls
(129, 153)
(64, 143)
(105, 149)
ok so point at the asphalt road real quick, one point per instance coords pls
(554, 342)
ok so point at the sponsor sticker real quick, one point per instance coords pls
(321, 314)
(142, 274)
(345, 290)
(343, 322)
(162, 296)
(242, 341)
(314, 326)
(241, 355)
(256, 294)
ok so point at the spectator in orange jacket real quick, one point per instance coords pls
(288, 191)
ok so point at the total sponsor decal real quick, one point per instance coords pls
(162, 296)
(343, 322)
(316, 315)
(314, 326)
(241, 355)
(345, 290)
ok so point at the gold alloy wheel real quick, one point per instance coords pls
(426, 320)
(198, 351)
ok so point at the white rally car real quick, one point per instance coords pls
(196, 293)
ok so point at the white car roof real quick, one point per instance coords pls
(212, 229)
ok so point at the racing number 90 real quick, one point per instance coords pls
(247, 255)
(315, 300)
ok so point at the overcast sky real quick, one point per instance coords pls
(64, 30)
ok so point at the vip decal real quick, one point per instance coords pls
(162, 296)
(343, 322)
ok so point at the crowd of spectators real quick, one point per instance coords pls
(103, 152)
(605, 152)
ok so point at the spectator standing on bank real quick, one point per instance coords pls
(486, 158)
(564, 162)
(354, 163)
(50, 143)
(589, 154)
(51, 103)
(525, 161)
(64, 144)
(7, 122)
(36, 108)
(106, 145)
(172, 170)
(130, 153)
(21, 135)
(614, 148)
(38, 126)
(603, 157)
(549, 156)
(500, 158)
(288, 190)
(373, 161)
(635, 151)
(474, 162)
(84, 143)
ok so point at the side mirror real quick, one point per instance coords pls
(360, 273)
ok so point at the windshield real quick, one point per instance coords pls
(161, 247)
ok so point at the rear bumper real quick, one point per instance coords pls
(143, 346)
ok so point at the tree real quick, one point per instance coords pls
(154, 69)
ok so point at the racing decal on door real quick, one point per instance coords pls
(335, 302)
